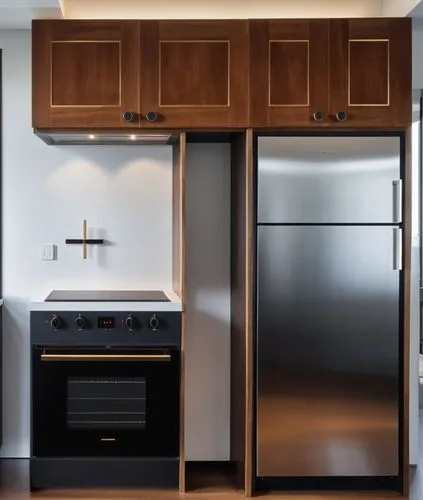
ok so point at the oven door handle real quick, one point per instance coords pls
(106, 357)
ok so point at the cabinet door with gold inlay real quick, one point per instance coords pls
(85, 74)
(194, 74)
(370, 72)
(288, 72)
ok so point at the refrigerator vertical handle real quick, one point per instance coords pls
(397, 200)
(397, 249)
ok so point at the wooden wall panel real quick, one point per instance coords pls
(178, 215)
(249, 279)
(178, 270)
(238, 326)
(407, 235)
(241, 310)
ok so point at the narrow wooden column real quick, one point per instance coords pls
(178, 229)
(249, 279)
(242, 261)
(407, 234)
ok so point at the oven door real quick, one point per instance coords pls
(105, 402)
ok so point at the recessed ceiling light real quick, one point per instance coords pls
(91, 136)
(132, 137)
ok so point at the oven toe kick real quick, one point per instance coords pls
(104, 472)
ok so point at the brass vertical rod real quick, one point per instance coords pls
(84, 239)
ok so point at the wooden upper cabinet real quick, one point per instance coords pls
(370, 71)
(194, 73)
(85, 73)
(288, 72)
(355, 72)
(220, 74)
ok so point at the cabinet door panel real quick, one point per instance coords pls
(209, 86)
(288, 71)
(370, 71)
(85, 73)
(195, 73)
(290, 88)
(98, 61)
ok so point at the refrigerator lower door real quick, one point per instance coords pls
(327, 351)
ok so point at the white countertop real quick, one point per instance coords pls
(175, 304)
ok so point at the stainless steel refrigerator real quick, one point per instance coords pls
(328, 322)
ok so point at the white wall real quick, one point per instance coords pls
(124, 192)
(207, 377)
(417, 54)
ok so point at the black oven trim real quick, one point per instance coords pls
(103, 472)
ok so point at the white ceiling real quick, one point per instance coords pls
(15, 14)
(417, 12)
(159, 9)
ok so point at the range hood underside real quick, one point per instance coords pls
(105, 137)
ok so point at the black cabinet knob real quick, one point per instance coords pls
(128, 116)
(154, 322)
(80, 322)
(341, 116)
(56, 322)
(131, 323)
(318, 116)
(152, 116)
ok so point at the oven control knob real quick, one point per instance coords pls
(80, 322)
(154, 323)
(56, 322)
(131, 323)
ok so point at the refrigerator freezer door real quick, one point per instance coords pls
(329, 179)
(327, 351)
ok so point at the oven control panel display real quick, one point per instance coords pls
(106, 322)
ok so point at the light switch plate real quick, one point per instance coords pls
(47, 252)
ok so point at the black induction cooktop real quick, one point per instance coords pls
(107, 296)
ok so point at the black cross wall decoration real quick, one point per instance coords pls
(84, 242)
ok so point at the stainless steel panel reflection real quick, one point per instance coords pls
(327, 351)
(327, 179)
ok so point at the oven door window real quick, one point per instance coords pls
(105, 402)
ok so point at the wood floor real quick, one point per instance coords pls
(14, 481)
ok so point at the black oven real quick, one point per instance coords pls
(105, 388)
(105, 402)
